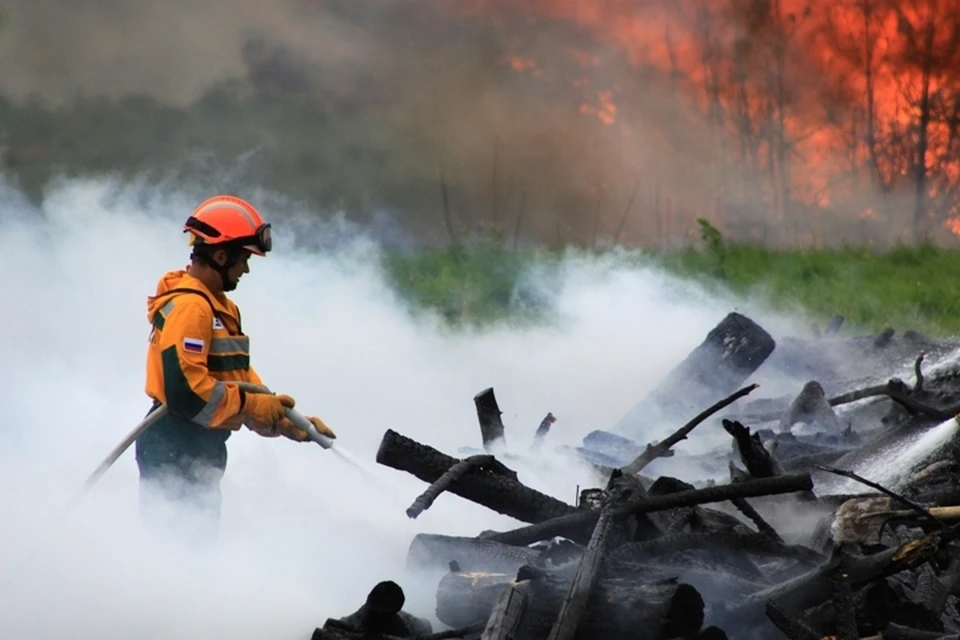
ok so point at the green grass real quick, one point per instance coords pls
(478, 286)
(905, 288)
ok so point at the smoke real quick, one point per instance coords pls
(171, 50)
(555, 121)
(304, 535)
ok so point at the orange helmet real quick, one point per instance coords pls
(227, 219)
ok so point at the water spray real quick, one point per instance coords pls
(890, 466)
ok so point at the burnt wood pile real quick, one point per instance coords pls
(790, 535)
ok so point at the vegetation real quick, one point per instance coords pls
(904, 288)
(458, 129)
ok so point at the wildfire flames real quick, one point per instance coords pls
(826, 99)
(788, 121)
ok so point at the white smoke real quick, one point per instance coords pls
(304, 536)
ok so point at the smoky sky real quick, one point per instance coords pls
(531, 116)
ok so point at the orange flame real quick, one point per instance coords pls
(835, 98)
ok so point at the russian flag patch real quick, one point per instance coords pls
(193, 345)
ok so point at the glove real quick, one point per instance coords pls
(292, 431)
(267, 409)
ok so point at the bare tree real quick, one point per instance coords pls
(929, 47)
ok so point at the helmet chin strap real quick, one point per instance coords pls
(233, 257)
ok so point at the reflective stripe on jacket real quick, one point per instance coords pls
(196, 348)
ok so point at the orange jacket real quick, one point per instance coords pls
(197, 347)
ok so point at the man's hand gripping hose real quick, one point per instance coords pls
(295, 416)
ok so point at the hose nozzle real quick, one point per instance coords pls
(295, 416)
(298, 419)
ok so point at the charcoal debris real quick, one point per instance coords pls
(831, 511)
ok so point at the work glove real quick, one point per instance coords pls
(287, 429)
(266, 408)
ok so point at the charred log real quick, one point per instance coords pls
(380, 617)
(729, 354)
(618, 607)
(876, 607)
(624, 488)
(491, 485)
(337, 630)
(433, 551)
(507, 615)
(759, 462)
(491, 424)
(572, 525)
(542, 431)
(843, 606)
(575, 604)
(752, 543)
(814, 587)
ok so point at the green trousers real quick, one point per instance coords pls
(181, 464)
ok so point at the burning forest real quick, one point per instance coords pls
(830, 512)
(589, 122)
(809, 109)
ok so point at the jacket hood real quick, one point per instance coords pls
(180, 279)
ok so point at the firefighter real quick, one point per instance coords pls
(196, 348)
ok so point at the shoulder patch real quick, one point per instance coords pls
(193, 345)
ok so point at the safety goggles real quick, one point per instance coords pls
(262, 239)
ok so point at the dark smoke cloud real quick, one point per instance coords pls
(172, 50)
(437, 91)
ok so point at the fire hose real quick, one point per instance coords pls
(295, 416)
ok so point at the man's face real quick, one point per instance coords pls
(240, 268)
(236, 271)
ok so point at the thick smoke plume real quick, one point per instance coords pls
(552, 121)
(304, 535)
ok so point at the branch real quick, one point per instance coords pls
(918, 385)
(897, 391)
(451, 475)
(663, 448)
(873, 485)
(563, 525)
